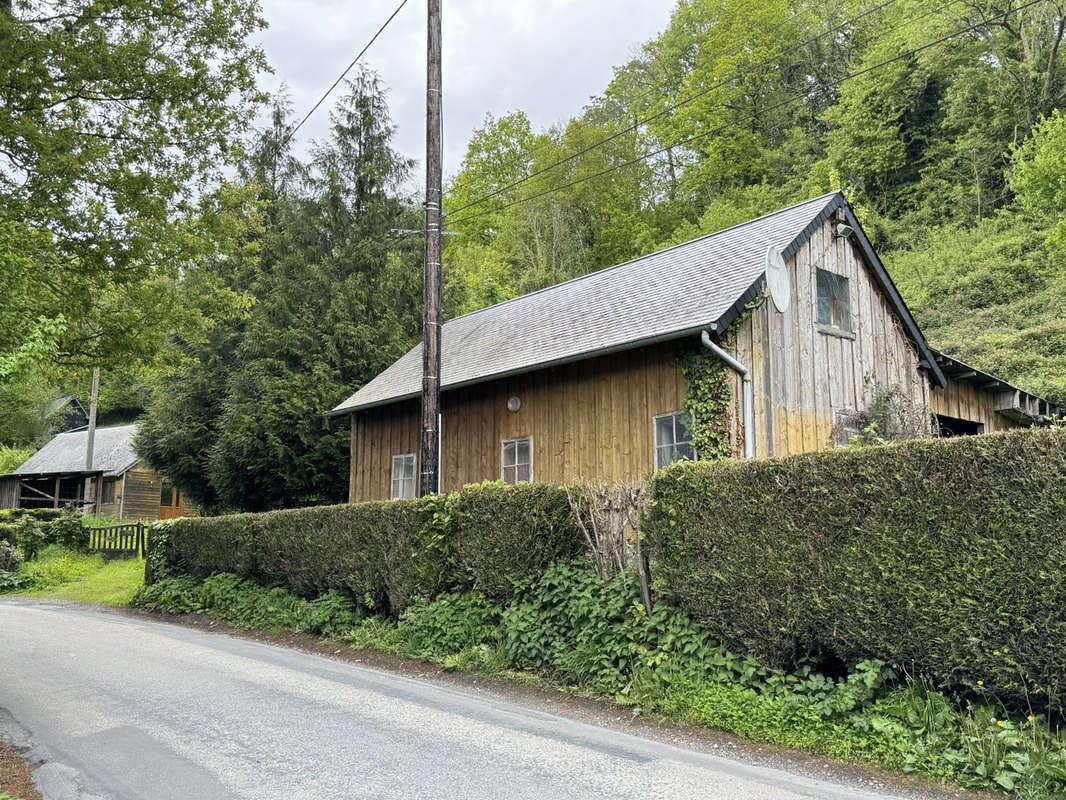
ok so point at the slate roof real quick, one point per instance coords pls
(702, 284)
(65, 454)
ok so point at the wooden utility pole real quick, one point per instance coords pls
(91, 438)
(429, 454)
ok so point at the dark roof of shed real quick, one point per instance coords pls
(65, 454)
(699, 285)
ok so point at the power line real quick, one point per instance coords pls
(343, 75)
(619, 105)
(670, 109)
(719, 129)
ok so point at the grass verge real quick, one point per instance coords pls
(112, 584)
(68, 575)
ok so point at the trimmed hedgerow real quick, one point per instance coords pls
(203, 547)
(487, 537)
(946, 558)
(506, 535)
(358, 549)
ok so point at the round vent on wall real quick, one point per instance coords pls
(777, 279)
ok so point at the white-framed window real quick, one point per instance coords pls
(834, 300)
(673, 438)
(516, 460)
(403, 476)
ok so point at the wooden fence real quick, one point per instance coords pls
(120, 540)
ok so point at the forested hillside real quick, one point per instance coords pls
(937, 120)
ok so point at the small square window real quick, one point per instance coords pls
(834, 300)
(516, 460)
(673, 438)
(403, 477)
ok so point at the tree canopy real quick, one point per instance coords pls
(336, 299)
(941, 121)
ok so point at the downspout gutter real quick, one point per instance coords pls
(748, 401)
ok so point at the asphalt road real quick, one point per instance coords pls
(146, 710)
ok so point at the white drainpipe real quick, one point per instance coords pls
(748, 401)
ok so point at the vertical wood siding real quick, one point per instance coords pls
(137, 496)
(140, 494)
(965, 401)
(802, 376)
(9, 492)
(592, 418)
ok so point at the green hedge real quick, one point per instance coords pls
(488, 537)
(40, 514)
(946, 558)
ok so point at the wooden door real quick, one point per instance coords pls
(169, 502)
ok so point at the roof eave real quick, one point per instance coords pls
(571, 359)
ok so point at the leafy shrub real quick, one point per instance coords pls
(450, 624)
(246, 604)
(31, 530)
(9, 557)
(9, 533)
(945, 557)
(39, 514)
(171, 595)
(31, 536)
(68, 531)
(488, 536)
(508, 535)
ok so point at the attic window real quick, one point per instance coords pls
(834, 301)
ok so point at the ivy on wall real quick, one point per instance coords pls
(707, 399)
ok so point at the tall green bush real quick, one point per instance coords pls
(946, 558)
(506, 535)
(487, 537)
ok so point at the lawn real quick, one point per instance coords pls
(111, 584)
(88, 578)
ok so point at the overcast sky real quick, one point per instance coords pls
(545, 57)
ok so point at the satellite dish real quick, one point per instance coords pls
(777, 279)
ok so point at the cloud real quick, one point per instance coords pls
(545, 57)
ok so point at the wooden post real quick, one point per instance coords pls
(429, 452)
(90, 441)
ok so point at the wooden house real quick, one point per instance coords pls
(583, 379)
(118, 484)
(68, 414)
